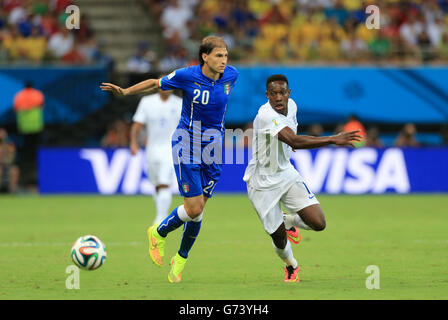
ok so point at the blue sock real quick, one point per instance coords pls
(172, 222)
(191, 231)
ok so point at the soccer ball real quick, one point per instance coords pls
(88, 252)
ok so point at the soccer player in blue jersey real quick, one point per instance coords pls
(206, 88)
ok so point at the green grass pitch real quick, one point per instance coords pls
(405, 236)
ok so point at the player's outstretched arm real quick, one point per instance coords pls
(295, 141)
(146, 87)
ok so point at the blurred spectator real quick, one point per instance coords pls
(173, 60)
(60, 5)
(74, 56)
(353, 124)
(34, 31)
(35, 46)
(273, 16)
(9, 172)
(61, 42)
(442, 49)
(99, 54)
(9, 5)
(315, 130)
(406, 137)
(117, 135)
(28, 106)
(174, 18)
(17, 15)
(380, 47)
(49, 24)
(85, 31)
(13, 44)
(373, 139)
(411, 29)
(426, 50)
(140, 64)
(353, 47)
(319, 30)
(435, 30)
(337, 11)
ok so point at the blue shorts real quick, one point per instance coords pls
(197, 179)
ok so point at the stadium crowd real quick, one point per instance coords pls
(35, 32)
(256, 31)
(294, 31)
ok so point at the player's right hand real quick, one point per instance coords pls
(116, 90)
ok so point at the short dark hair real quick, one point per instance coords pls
(208, 44)
(276, 77)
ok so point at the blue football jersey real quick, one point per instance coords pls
(204, 99)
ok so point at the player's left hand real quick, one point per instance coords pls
(116, 90)
(347, 138)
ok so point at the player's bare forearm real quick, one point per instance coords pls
(135, 131)
(310, 142)
(144, 87)
(295, 141)
(147, 87)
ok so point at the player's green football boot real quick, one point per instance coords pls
(177, 266)
(156, 246)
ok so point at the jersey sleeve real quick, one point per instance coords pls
(140, 114)
(271, 122)
(175, 80)
(293, 110)
(235, 74)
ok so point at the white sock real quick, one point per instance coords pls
(163, 203)
(294, 220)
(286, 255)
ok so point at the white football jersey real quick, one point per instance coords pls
(161, 119)
(270, 166)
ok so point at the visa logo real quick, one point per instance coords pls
(363, 170)
(122, 173)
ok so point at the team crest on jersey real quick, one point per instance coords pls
(172, 74)
(185, 187)
(227, 88)
(275, 122)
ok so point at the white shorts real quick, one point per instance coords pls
(267, 203)
(160, 172)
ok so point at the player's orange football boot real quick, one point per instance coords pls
(291, 274)
(293, 235)
(156, 246)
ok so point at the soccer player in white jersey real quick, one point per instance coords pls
(160, 114)
(271, 178)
